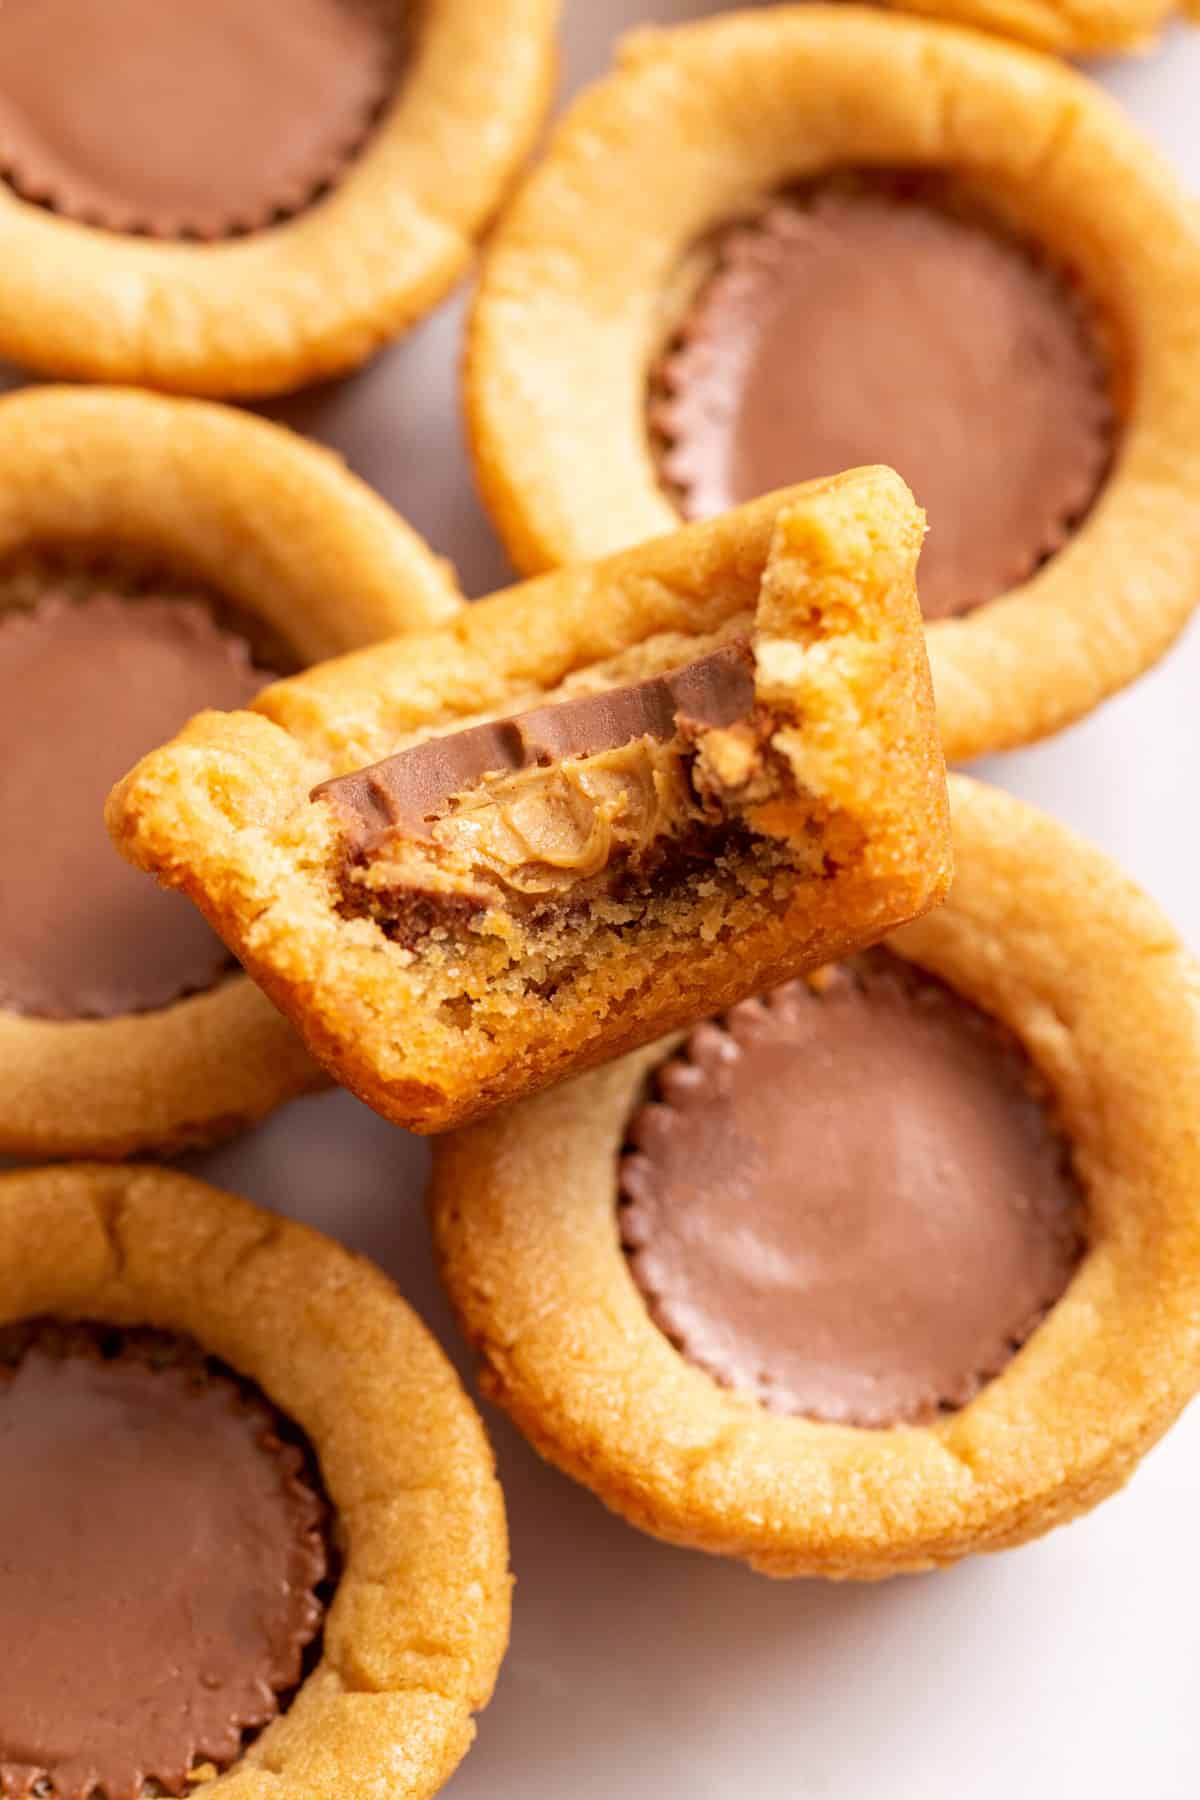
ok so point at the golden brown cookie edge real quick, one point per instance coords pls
(1109, 1007)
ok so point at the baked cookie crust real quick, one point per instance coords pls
(418, 1625)
(592, 265)
(1045, 934)
(1064, 27)
(308, 557)
(315, 296)
(821, 576)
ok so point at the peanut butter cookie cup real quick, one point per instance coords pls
(234, 197)
(254, 1542)
(789, 241)
(156, 557)
(470, 863)
(889, 1266)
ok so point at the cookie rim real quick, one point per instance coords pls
(298, 543)
(569, 1350)
(1098, 27)
(81, 303)
(569, 312)
(328, 1339)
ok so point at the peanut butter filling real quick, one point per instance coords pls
(542, 830)
(576, 799)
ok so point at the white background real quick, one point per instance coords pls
(1070, 1668)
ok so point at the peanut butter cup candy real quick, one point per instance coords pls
(472, 862)
(889, 1264)
(867, 1251)
(157, 558)
(242, 1495)
(857, 239)
(207, 1530)
(222, 197)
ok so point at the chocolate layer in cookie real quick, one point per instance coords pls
(872, 325)
(86, 688)
(162, 1551)
(849, 1199)
(411, 791)
(596, 785)
(189, 118)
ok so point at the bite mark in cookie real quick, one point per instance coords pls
(572, 799)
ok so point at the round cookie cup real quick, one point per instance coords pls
(1046, 935)
(304, 552)
(589, 271)
(314, 296)
(418, 1625)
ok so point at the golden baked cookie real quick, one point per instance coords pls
(893, 1171)
(226, 198)
(1065, 27)
(155, 556)
(239, 1431)
(673, 316)
(468, 864)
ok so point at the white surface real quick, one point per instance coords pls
(1062, 1670)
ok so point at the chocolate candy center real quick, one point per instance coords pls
(161, 1550)
(188, 117)
(563, 803)
(850, 1200)
(86, 689)
(869, 327)
(409, 791)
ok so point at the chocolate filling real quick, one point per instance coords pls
(881, 322)
(190, 118)
(544, 812)
(86, 688)
(409, 791)
(848, 1198)
(163, 1550)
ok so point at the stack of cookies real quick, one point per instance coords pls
(815, 1159)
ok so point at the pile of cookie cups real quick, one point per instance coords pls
(581, 289)
(815, 1160)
